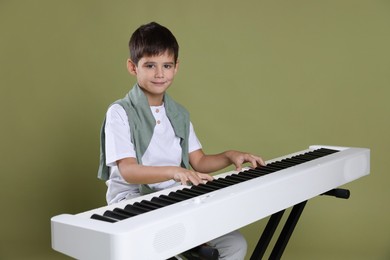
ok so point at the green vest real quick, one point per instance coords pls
(142, 123)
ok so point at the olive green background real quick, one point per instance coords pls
(268, 77)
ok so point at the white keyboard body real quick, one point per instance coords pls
(165, 232)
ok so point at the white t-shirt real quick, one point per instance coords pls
(164, 150)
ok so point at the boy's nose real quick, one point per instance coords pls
(159, 73)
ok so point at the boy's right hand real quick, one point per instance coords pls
(135, 173)
(187, 177)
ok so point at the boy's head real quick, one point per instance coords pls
(152, 39)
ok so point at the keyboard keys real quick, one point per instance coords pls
(161, 201)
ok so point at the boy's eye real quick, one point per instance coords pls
(152, 66)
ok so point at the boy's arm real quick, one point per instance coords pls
(135, 173)
(210, 163)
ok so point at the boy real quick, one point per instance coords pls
(147, 140)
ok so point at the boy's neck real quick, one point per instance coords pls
(155, 100)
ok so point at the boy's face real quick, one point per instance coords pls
(154, 75)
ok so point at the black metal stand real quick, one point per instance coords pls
(288, 228)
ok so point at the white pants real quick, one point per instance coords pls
(231, 246)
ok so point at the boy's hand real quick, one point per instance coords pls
(239, 158)
(187, 176)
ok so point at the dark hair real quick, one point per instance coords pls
(150, 40)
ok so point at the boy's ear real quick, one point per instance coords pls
(131, 67)
(176, 66)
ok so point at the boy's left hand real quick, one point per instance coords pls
(239, 158)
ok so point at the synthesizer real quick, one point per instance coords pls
(166, 223)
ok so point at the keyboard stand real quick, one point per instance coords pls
(288, 228)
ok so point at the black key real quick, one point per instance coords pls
(202, 188)
(243, 176)
(180, 196)
(308, 156)
(229, 178)
(295, 160)
(324, 151)
(275, 167)
(249, 174)
(318, 153)
(262, 170)
(208, 187)
(194, 192)
(124, 212)
(288, 163)
(103, 218)
(224, 180)
(330, 151)
(162, 201)
(134, 210)
(170, 198)
(139, 206)
(115, 215)
(144, 205)
(253, 173)
(151, 204)
(236, 177)
(282, 164)
(216, 184)
(269, 168)
(299, 155)
(314, 154)
(265, 169)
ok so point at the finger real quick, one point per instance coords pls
(194, 179)
(243, 159)
(183, 180)
(255, 161)
(260, 160)
(206, 177)
(238, 166)
(180, 178)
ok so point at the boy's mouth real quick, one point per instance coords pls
(158, 83)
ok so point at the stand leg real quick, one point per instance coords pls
(287, 231)
(266, 237)
(288, 228)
